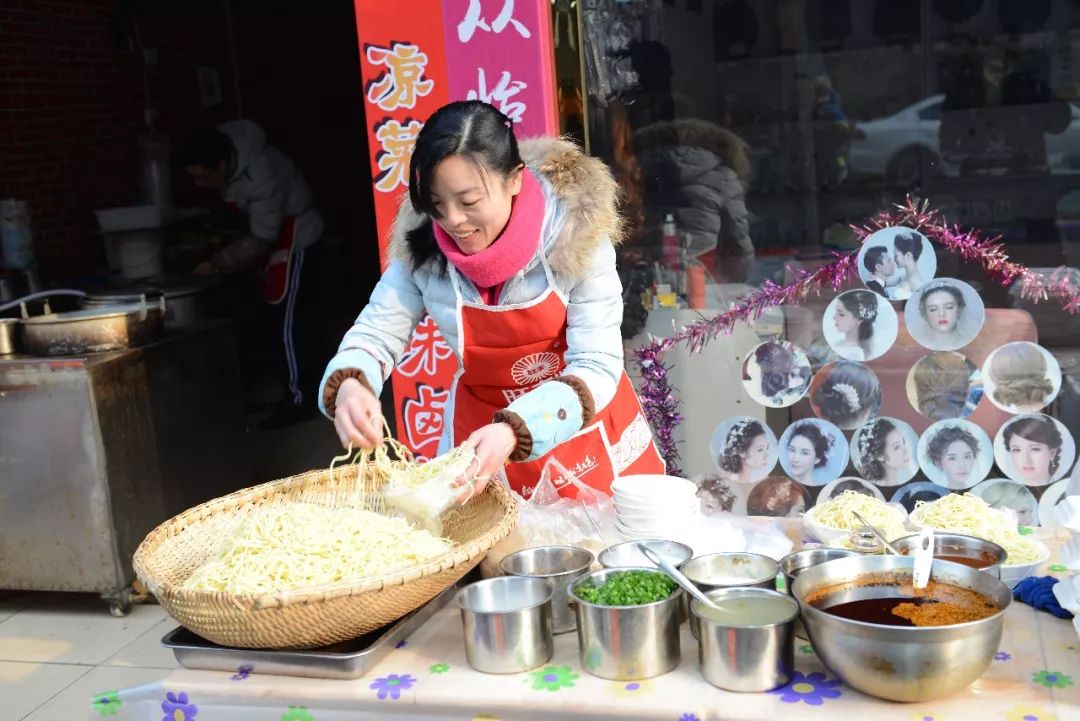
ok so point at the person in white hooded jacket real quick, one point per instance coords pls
(258, 180)
(511, 251)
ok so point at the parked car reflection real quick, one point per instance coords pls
(906, 145)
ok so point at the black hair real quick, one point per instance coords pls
(776, 363)
(909, 243)
(864, 306)
(821, 442)
(872, 258)
(471, 129)
(206, 147)
(846, 393)
(1037, 429)
(738, 441)
(872, 449)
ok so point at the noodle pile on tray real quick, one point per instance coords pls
(972, 516)
(323, 538)
(839, 514)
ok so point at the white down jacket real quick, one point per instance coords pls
(267, 186)
(581, 228)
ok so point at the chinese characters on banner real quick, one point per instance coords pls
(498, 51)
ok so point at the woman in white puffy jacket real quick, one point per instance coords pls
(511, 252)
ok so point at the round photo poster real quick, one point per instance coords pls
(1021, 377)
(944, 314)
(944, 385)
(883, 451)
(745, 449)
(895, 262)
(1034, 449)
(777, 374)
(834, 489)
(715, 495)
(813, 452)
(860, 325)
(1048, 504)
(910, 495)
(846, 394)
(956, 454)
(778, 497)
(1003, 493)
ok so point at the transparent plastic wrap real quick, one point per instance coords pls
(421, 497)
(547, 518)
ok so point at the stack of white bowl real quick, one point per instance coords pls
(653, 506)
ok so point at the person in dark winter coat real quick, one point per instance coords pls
(697, 171)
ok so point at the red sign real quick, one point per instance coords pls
(496, 50)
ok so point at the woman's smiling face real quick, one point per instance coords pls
(1032, 460)
(958, 462)
(801, 456)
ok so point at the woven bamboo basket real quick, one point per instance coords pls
(314, 616)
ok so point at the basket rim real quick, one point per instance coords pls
(254, 495)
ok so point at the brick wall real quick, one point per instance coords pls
(72, 98)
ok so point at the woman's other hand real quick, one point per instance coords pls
(493, 445)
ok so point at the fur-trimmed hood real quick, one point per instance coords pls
(729, 148)
(583, 187)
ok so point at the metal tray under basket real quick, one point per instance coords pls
(346, 660)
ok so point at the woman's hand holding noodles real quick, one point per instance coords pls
(358, 416)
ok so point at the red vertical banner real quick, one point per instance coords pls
(501, 53)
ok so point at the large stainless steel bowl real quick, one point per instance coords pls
(895, 662)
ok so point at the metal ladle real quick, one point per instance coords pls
(677, 576)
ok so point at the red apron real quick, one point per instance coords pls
(506, 351)
(276, 273)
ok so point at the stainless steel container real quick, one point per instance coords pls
(898, 663)
(507, 624)
(627, 643)
(730, 570)
(628, 555)
(747, 657)
(93, 330)
(559, 566)
(9, 336)
(795, 563)
(955, 544)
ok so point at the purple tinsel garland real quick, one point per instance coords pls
(658, 398)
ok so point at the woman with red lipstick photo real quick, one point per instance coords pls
(945, 314)
(955, 454)
(1034, 449)
(511, 251)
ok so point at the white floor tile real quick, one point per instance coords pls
(146, 651)
(63, 628)
(75, 701)
(25, 687)
(12, 603)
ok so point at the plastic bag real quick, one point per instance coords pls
(547, 518)
(424, 503)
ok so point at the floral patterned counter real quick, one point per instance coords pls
(1034, 677)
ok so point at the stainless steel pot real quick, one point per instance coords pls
(189, 299)
(507, 624)
(899, 663)
(627, 643)
(714, 571)
(559, 566)
(93, 330)
(9, 336)
(954, 544)
(738, 656)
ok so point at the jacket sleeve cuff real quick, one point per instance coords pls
(585, 397)
(544, 417)
(351, 363)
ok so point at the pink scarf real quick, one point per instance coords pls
(514, 247)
